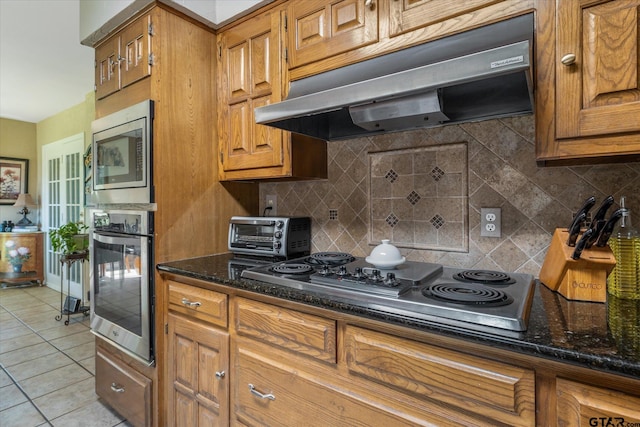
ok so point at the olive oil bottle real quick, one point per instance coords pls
(624, 280)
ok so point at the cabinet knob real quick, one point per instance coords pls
(117, 388)
(220, 375)
(569, 59)
(369, 3)
(255, 392)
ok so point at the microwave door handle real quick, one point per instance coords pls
(111, 239)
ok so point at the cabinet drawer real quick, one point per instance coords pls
(289, 329)
(126, 390)
(580, 403)
(203, 304)
(483, 387)
(274, 393)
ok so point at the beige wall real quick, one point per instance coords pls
(18, 140)
(25, 140)
(67, 123)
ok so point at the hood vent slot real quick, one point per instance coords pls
(476, 75)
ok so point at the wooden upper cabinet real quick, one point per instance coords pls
(409, 15)
(136, 51)
(250, 74)
(319, 29)
(124, 58)
(593, 110)
(599, 92)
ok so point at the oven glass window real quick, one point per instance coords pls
(254, 236)
(118, 282)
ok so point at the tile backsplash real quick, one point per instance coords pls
(431, 184)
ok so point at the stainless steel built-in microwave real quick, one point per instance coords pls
(121, 156)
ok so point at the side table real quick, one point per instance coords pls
(68, 309)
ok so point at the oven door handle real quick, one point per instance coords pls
(254, 221)
(114, 239)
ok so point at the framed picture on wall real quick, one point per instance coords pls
(14, 179)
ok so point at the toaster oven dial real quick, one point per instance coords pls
(278, 234)
(279, 224)
(277, 245)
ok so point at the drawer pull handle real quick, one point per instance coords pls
(117, 388)
(369, 4)
(220, 375)
(191, 303)
(255, 392)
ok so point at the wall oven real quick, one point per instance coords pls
(122, 288)
(121, 156)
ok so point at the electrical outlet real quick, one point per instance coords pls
(490, 222)
(271, 201)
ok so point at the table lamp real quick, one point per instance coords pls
(25, 202)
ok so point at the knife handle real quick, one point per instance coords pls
(596, 226)
(581, 244)
(607, 229)
(574, 229)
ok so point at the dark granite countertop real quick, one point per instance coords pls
(598, 336)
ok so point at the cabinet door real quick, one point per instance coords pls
(135, 41)
(320, 29)
(599, 92)
(584, 405)
(31, 269)
(197, 379)
(108, 67)
(408, 15)
(250, 77)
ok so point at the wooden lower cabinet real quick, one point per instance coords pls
(270, 362)
(123, 388)
(268, 390)
(585, 405)
(33, 268)
(197, 373)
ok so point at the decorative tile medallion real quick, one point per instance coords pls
(419, 197)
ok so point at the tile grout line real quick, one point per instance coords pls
(48, 341)
(17, 384)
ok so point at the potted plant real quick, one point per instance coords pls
(70, 238)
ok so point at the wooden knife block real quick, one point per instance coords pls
(584, 279)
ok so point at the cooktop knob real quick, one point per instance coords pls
(358, 274)
(342, 270)
(376, 276)
(390, 280)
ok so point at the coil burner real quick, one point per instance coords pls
(468, 294)
(330, 258)
(292, 269)
(486, 277)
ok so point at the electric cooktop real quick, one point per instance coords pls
(480, 300)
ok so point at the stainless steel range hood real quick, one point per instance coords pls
(476, 75)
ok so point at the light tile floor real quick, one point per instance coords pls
(47, 368)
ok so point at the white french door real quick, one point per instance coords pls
(63, 202)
